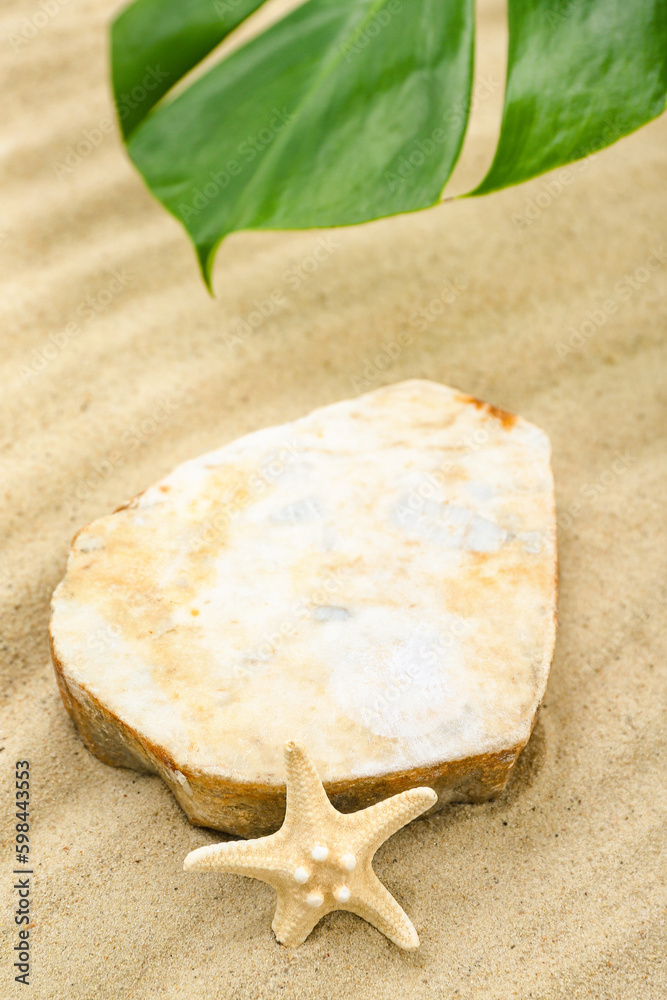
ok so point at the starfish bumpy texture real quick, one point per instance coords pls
(320, 859)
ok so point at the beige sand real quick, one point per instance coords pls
(554, 889)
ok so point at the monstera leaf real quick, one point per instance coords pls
(349, 110)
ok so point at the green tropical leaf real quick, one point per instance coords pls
(350, 110)
(155, 43)
(325, 119)
(581, 74)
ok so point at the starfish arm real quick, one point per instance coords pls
(306, 799)
(261, 858)
(377, 906)
(294, 920)
(377, 823)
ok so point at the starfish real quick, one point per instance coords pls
(320, 859)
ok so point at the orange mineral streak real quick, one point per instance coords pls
(506, 419)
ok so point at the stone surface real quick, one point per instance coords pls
(377, 580)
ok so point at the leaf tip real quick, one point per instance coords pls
(205, 258)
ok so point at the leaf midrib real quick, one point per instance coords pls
(303, 101)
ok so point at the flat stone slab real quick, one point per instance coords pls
(376, 580)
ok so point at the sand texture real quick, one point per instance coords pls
(547, 300)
